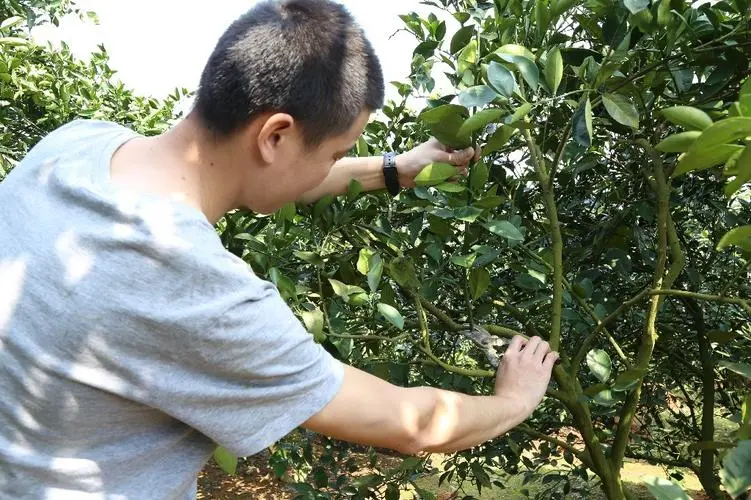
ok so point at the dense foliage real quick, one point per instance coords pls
(43, 87)
(608, 214)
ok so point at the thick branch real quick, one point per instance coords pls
(369, 337)
(557, 241)
(659, 281)
(706, 456)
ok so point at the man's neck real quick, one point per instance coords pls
(186, 164)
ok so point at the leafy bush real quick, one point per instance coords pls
(598, 217)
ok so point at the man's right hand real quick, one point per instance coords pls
(524, 373)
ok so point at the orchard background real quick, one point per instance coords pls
(609, 214)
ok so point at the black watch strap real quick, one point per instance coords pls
(390, 174)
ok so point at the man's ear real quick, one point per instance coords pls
(276, 131)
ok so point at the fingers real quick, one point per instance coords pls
(537, 349)
(542, 349)
(550, 360)
(531, 347)
(460, 158)
(516, 344)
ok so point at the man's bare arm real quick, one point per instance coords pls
(370, 411)
(368, 171)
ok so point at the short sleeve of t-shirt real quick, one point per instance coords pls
(217, 348)
(167, 316)
(208, 342)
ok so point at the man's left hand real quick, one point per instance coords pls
(410, 163)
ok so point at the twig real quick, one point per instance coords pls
(582, 455)
(744, 303)
(582, 352)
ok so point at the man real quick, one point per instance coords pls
(132, 342)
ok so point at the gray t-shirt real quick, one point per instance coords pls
(131, 341)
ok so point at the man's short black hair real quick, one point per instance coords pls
(307, 58)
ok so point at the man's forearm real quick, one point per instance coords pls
(455, 421)
(370, 411)
(366, 170)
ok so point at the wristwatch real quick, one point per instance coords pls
(390, 174)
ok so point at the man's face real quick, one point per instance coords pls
(297, 168)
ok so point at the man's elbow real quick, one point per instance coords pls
(424, 426)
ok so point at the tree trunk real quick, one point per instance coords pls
(707, 476)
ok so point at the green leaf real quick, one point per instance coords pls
(526, 66)
(703, 159)
(664, 489)
(402, 269)
(519, 113)
(506, 229)
(467, 57)
(605, 398)
(739, 236)
(464, 260)
(467, 214)
(435, 173)
(287, 212)
(499, 139)
(363, 260)
(678, 143)
(742, 172)
(310, 257)
(13, 41)
(285, 286)
(582, 124)
(440, 113)
(554, 70)
(375, 270)
(314, 323)
(628, 380)
(621, 109)
(477, 96)
(739, 368)
(723, 132)
(354, 189)
(746, 87)
(687, 117)
(461, 38)
(450, 187)
(478, 176)
(444, 123)
(362, 147)
(480, 120)
(479, 281)
(516, 50)
(664, 16)
(344, 290)
(736, 469)
(501, 78)
(599, 364)
(226, 460)
(391, 314)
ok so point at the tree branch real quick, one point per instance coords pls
(557, 241)
(660, 280)
(744, 303)
(582, 352)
